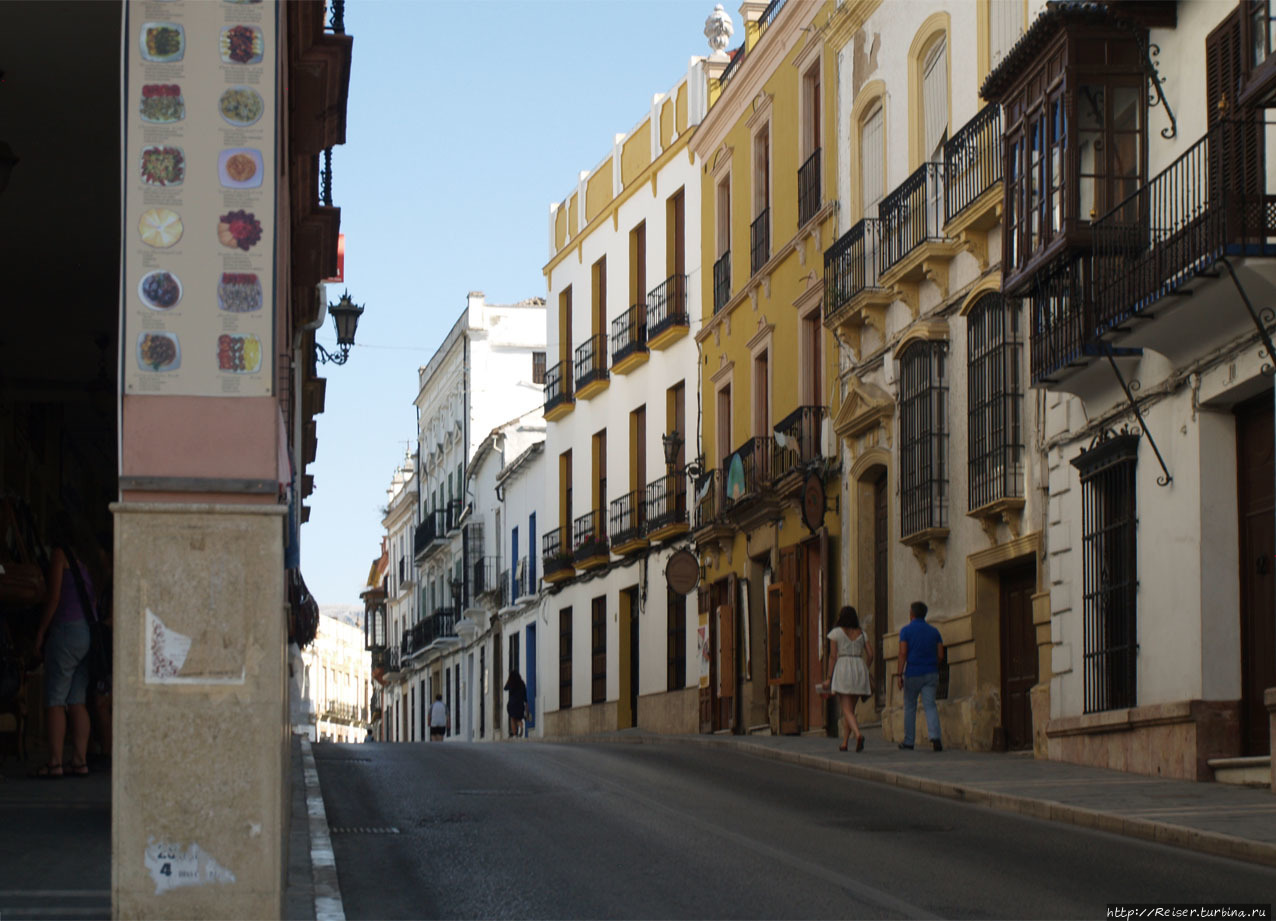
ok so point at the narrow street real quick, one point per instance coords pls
(535, 830)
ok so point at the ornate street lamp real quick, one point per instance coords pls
(345, 317)
(673, 445)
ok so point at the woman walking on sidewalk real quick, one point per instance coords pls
(849, 658)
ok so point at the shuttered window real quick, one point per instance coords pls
(872, 169)
(935, 100)
(1005, 25)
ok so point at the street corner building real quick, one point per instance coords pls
(162, 396)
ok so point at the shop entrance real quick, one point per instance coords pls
(1019, 667)
(1255, 469)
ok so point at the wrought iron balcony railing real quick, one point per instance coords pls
(798, 439)
(482, 572)
(667, 501)
(760, 241)
(628, 518)
(708, 506)
(454, 508)
(591, 361)
(589, 536)
(522, 579)
(558, 385)
(972, 161)
(506, 584)
(747, 472)
(340, 712)
(722, 281)
(629, 333)
(554, 556)
(667, 305)
(432, 529)
(1063, 325)
(809, 188)
(851, 264)
(912, 214)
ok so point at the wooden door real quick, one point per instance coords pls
(812, 635)
(1256, 470)
(704, 649)
(790, 701)
(1019, 669)
(881, 586)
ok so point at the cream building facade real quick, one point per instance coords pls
(401, 598)
(337, 685)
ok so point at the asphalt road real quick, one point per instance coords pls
(537, 830)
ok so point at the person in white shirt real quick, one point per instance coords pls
(439, 720)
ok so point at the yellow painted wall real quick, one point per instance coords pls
(560, 227)
(636, 154)
(666, 123)
(598, 191)
(573, 210)
(682, 108)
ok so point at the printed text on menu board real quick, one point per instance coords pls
(199, 191)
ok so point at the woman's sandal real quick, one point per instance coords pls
(47, 772)
(859, 743)
(78, 770)
(841, 748)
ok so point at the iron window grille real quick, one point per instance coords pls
(1109, 554)
(809, 188)
(676, 606)
(994, 401)
(538, 367)
(1062, 317)
(667, 305)
(558, 385)
(851, 264)
(629, 333)
(598, 650)
(923, 423)
(760, 241)
(722, 281)
(565, 659)
(972, 161)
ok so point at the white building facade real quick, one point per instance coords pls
(400, 601)
(337, 684)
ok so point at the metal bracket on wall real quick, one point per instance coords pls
(1149, 52)
(1165, 479)
(1260, 317)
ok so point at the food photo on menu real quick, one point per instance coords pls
(163, 42)
(160, 227)
(241, 106)
(163, 165)
(160, 290)
(238, 354)
(242, 45)
(240, 168)
(239, 230)
(162, 103)
(158, 352)
(239, 292)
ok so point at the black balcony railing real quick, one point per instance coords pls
(629, 333)
(747, 472)
(708, 507)
(737, 58)
(667, 501)
(760, 241)
(798, 440)
(809, 188)
(454, 509)
(589, 536)
(1179, 223)
(554, 556)
(722, 281)
(522, 580)
(506, 588)
(768, 15)
(628, 517)
(913, 214)
(340, 712)
(336, 18)
(558, 385)
(482, 573)
(591, 361)
(667, 305)
(972, 161)
(433, 528)
(851, 264)
(1062, 317)
(393, 655)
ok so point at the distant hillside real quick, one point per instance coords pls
(347, 613)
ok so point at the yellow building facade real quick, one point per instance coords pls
(765, 519)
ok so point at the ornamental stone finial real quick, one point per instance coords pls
(718, 29)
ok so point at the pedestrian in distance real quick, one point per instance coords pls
(439, 719)
(516, 705)
(846, 675)
(921, 649)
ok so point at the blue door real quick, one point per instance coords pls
(531, 676)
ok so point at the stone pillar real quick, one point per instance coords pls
(200, 780)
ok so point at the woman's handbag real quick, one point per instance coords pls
(21, 578)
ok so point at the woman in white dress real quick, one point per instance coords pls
(849, 658)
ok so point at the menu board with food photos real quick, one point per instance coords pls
(199, 196)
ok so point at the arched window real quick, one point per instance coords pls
(872, 159)
(923, 427)
(935, 99)
(994, 400)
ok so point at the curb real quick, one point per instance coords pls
(323, 862)
(1180, 836)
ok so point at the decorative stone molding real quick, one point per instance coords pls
(1008, 511)
(934, 540)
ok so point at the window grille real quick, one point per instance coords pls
(923, 426)
(1108, 546)
(676, 608)
(995, 401)
(598, 649)
(538, 367)
(565, 659)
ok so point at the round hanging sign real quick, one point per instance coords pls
(813, 502)
(682, 572)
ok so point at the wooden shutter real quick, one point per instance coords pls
(781, 633)
(1236, 149)
(726, 650)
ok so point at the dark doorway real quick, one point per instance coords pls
(1019, 669)
(632, 607)
(815, 708)
(1255, 472)
(881, 586)
(498, 684)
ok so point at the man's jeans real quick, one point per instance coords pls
(924, 685)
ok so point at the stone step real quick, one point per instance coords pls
(1246, 772)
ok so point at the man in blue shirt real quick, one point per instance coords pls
(921, 649)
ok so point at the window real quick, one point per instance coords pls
(811, 391)
(722, 267)
(598, 649)
(638, 267)
(809, 174)
(935, 100)
(1109, 145)
(724, 423)
(1261, 26)
(923, 427)
(513, 662)
(760, 229)
(872, 163)
(994, 400)
(1005, 25)
(565, 659)
(1108, 542)
(675, 419)
(676, 617)
(761, 394)
(538, 367)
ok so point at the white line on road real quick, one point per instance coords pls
(323, 864)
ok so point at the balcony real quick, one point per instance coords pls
(591, 367)
(973, 193)
(709, 524)
(556, 561)
(439, 625)
(799, 444)
(722, 281)
(482, 573)
(505, 589)
(559, 400)
(455, 508)
(430, 534)
(667, 320)
(746, 474)
(914, 247)
(589, 541)
(349, 714)
(667, 506)
(1157, 283)
(522, 586)
(809, 188)
(853, 294)
(760, 241)
(629, 339)
(628, 523)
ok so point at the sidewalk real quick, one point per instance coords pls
(1213, 818)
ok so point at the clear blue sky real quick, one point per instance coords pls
(466, 120)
